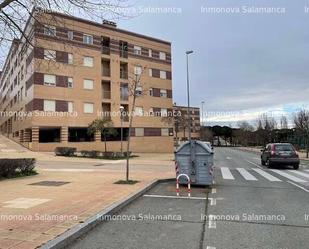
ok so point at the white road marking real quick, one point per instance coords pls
(300, 173)
(212, 223)
(226, 173)
(255, 164)
(288, 176)
(175, 197)
(296, 185)
(210, 247)
(246, 174)
(267, 176)
(70, 170)
(213, 190)
(228, 158)
(213, 201)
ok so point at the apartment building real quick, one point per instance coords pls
(75, 71)
(181, 131)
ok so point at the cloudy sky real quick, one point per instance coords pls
(243, 63)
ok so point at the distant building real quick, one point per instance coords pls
(181, 123)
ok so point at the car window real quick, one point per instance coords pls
(284, 147)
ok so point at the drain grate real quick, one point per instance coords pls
(50, 183)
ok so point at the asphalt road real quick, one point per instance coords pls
(249, 207)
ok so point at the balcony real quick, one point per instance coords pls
(123, 53)
(123, 74)
(106, 72)
(106, 94)
(106, 50)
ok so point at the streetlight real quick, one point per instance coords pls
(121, 108)
(203, 102)
(188, 93)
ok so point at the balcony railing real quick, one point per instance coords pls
(123, 74)
(106, 72)
(106, 94)
(106, 50)
(123, 53)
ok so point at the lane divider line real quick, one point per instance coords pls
(296, 185)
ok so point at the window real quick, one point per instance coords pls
(164, 132)
(49, 54)
(70, 106)
(150, 72)
(88, 39)
(150, 92)
(150, 52)
(137, 50)
(70, 35)
(70, 82)
(49, 80)
(49, 30)
(70, 58)
(162, 74)
(138, 111)
(88, 108)
(88, 61)
(151, 111)
(137, 70)
(164, 112)
(139, 132)
(163, 93)
(88, 84)
(139, 91)
(162, 56)
(49, 105)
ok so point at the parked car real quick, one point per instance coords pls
(209, 145)
(280, 154)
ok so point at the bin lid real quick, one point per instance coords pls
(197, 142)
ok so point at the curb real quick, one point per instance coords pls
(75, 232)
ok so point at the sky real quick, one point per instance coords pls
(243, 64)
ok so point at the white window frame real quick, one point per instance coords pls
(90, 106)
(70, 82)
(71, 35)
(70, 107)
(162, 74)
(88, 63)
(48, 82)
(151, 91)
(164, 112)
(165, 132)
(137, 70)
(70, 59)
(150, 52)
(150, 72)
(49, 105)
(137, 50)
(139, 111)
(49, 55)
(49, 30)
(139, 132)
(87, 39)
(162, 56)
(88, 84)
(163, 93)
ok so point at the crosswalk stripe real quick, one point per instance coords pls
(226, 173)
(290, 177)
(245, 174)
(266, 175)
(300, 173)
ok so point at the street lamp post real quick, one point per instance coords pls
(121, 108)
(188, 94)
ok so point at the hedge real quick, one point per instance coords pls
(65, 151)
(11, 167)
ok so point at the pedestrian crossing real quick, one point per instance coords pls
(272, 175)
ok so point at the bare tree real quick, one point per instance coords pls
(284, 122)
(301, 122)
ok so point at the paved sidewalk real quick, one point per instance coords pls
(33, 214)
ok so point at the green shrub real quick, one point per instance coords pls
(65, 151)
(109, 154)
(90, 153)
(11, 167)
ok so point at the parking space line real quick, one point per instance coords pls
(212, 224)
(213, 190)
(296, 185)
(226, 173)
(245, 174)
(176, 197)
(288, 176)
(267, 176)
(213, 201)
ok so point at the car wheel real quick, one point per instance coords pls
(296, 166)
(268, 164)
(263, 162)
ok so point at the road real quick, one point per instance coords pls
(249, 207)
